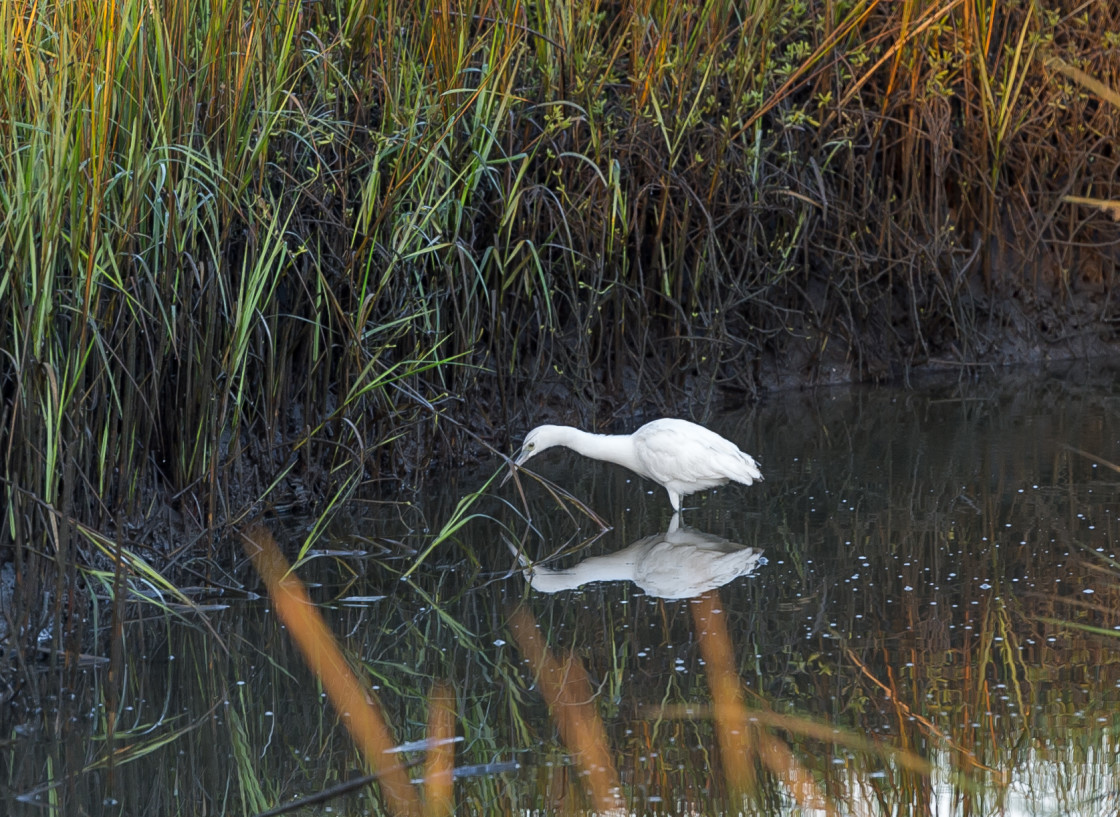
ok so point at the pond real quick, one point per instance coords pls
(919, 613)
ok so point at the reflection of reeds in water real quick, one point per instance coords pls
(976, 668)
(744, 737)
(744, 741)
(952, 557)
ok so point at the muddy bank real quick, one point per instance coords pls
(1020, 326)
(1017, 328)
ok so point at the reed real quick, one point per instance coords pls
(252, 254)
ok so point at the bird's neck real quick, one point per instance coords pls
(616, 448)
(612, 567)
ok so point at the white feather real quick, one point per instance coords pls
(680, 456)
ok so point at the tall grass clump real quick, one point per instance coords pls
(251, 253)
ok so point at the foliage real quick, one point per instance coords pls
(252, 253)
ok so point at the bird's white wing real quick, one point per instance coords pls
(687, 453)
(682, 571)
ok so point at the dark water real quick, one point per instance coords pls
(938, 576)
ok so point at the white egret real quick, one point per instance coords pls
(680, 456)
(679, 564)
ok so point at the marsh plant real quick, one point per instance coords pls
(260, 255)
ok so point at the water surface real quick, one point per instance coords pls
(929, 571)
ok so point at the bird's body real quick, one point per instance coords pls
(680, 456)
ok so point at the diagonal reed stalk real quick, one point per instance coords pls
(742, 743)
(356, 705)
(567, 690)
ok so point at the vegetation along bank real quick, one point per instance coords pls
(264, 254)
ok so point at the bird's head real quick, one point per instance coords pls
(536, 441)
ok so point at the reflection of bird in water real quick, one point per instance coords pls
(678, 564)
(681, 456)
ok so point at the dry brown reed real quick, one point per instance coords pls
(355, 703)
(742, 743)
(571, 702)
